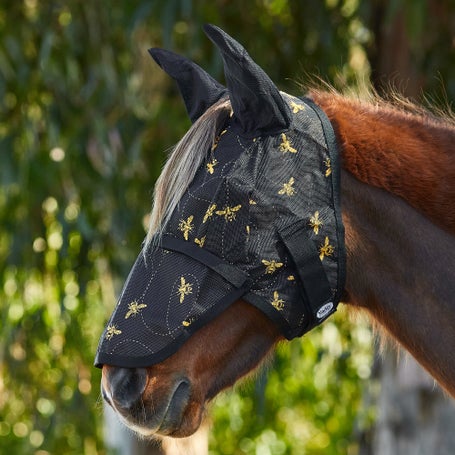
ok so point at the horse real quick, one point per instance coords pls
(397, 187)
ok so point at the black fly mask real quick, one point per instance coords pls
(260, 221)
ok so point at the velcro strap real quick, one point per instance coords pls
(316, 288)
(229, 272)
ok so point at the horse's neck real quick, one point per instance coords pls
(400, 266)
(409, 155)
(401, 269)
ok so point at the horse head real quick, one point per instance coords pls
(246, 246)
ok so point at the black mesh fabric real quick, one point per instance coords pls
(257, 211)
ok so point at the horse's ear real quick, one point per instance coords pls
(199, 90)
(257, 104)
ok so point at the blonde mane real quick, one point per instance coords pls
(182, 164)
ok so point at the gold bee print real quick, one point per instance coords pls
(188, 322)
(186, 226)
(291, 278)
(315, 222)
(252, 202)
(271, 266)
(134, 308)
(209, 213)
(288, 188)
(111, 331)
(229, 213)
(277, 302)
(211, 166)
(200, 241)
(328, 167)
(326, 249)
(285, 145)
(184, 289)
(296, 107)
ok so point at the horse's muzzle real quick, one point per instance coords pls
(146, 408)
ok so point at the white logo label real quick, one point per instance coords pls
(324, 310)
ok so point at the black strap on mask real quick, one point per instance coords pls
(316, 291)
(230, 273)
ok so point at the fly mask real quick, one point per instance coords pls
(260, 220)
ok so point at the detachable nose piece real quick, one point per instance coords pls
(126, 385)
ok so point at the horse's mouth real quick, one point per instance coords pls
(151, 416)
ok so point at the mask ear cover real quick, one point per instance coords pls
(258, 107)
(198, 89)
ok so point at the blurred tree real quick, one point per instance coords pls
(412, 47)
(71, 132)
(84, 120)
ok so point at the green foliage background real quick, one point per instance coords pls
(85, 119)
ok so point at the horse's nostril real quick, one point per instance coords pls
(126, 385)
